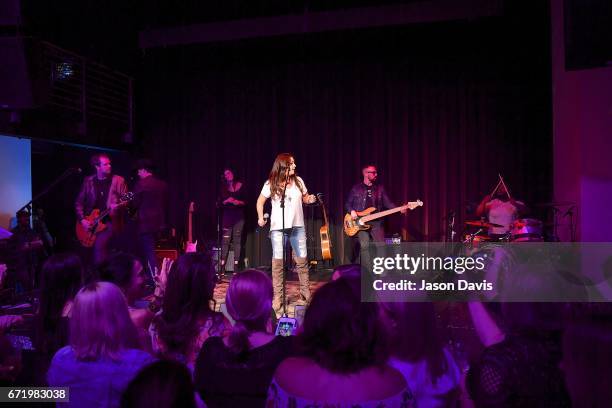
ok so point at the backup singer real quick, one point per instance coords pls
(232, 200)
(283, 176)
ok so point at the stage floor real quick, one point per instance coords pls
(317, 279)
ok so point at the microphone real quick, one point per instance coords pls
(266, 216)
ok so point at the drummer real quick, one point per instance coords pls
(500, 208)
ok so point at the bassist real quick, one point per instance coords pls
(101, 191)
(364, 195)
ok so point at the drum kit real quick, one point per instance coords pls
(521, 230)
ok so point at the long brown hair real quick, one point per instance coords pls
(342, 334)
(189, 292)
(413, 336)
(278, 175)
(61, 279)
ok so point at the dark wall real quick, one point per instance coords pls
(440, 108)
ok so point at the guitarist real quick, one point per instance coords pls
(151, 202)
(100, 190)
(363, 195)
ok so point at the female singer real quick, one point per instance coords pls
(283, 178)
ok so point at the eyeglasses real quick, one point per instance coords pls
(372, 172)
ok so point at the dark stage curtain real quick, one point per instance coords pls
(440, 119)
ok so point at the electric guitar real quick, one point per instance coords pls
(190, 246)
(87, 236)
(353, 226)
(324, 231)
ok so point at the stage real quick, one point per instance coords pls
(318, 277)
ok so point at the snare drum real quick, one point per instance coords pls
(526, 230)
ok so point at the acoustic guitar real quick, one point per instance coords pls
(324, 232)
(353, 226)
(87, 236)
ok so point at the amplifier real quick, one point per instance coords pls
(160, 254)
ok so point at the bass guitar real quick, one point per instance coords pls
(353, 226)
(324, 232)
(87, 236)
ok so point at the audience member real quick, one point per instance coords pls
(102, 357)
(10, 362)
(3, 269)
(187, 318)
(126, 271)
(163, 384)
(61, 279)
(521, 367)
(347, 271)
(587, 353)
(237, 370)
(418, 353)
(344, 356)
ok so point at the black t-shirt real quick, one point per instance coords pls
(231, 212)
(369, 196)
(225, 379)
(102, 188)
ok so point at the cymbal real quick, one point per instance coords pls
(554, 204)
(483, 224)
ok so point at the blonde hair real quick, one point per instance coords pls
(100, 325)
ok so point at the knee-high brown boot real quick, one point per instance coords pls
(301, 267)
(277, 286)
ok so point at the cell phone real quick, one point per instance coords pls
(286, 326)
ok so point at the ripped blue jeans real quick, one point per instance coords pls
(297, 238)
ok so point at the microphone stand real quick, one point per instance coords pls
(45, 190)
(29, 206)
(220, 267)
(282, 205)
(451, 227)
